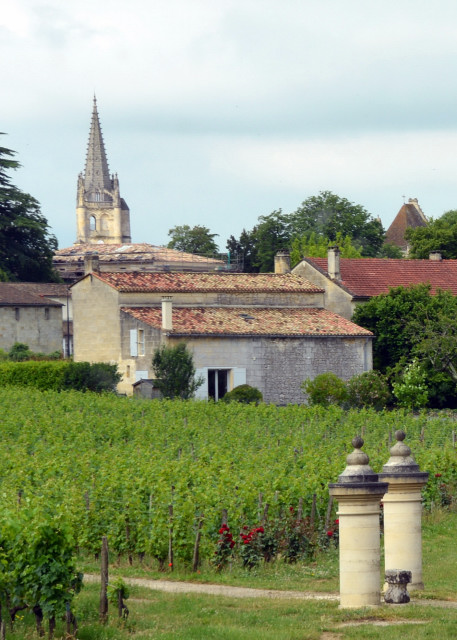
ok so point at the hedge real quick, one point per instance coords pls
(60, 375)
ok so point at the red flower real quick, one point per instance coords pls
(260, 530)
(337, 521)
(291, 509)
(170, 564)
(437, 475)
(330, 534)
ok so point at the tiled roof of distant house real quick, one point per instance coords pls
(366, 277)
(47, 289)
(409, 216)
(139, 252)
(206, 282)
(14, 294)
(250, 321)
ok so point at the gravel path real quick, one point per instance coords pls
(171, 586)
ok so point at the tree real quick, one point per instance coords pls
(26, 245)
(440, 235)
(272, 234)
(327, 214)
(313, 245)
(412, 325)
(244, 251)
(196, 239)
(175, 372)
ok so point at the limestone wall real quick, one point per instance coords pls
(336, 299)
(38, 327)
(226, 299)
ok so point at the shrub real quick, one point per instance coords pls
(411, 391)
(369, 389)
(19, 352)
(325, 389)
(243, 393)
(175, 372)
(60, 375)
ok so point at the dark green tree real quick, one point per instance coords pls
(327, 215)
(26, 245)
(243, 251)
(196, 239)
(175, 372)
(440, 235)
(272, 234)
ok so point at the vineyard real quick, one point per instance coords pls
(114, 466)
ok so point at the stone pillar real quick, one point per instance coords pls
(403, 512)
(359, 493)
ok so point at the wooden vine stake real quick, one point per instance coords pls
(170, 531)
(313, 513)
(196, 558)
(104, 582)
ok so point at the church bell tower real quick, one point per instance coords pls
(102, 216)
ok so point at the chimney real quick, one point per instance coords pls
(333, 263)
(282, 262)
(167, 319)
(435, 256)
(91, 263)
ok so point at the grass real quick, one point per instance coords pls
(163, 616)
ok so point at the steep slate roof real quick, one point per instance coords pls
(14, 294)
(250, 321)
(410, 215)
(139, 252)
(206, 282)
(366, 277)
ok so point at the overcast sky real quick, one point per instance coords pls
(217, 111)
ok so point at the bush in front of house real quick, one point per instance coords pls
(60, 375)
(243, 393)
(369, 389)
(325, 389)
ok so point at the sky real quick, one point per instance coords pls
(215, 112)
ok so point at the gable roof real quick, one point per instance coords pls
(410, 215)
(15, 294)
(159, 282)
(367, 277)
(250, 321)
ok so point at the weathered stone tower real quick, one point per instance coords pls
(101, 214)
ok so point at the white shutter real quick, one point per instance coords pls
(239, 376)
(141, 375)
(133, 342)
(202, 391)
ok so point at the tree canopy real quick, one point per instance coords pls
(412, 325)
(198, 239)
(174, 370)
(26, 244)
(439, 235)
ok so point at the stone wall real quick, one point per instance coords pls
(38, 327)
(336, 299)
(280, 299)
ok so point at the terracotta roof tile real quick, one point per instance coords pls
(139, 252)
(250, 321)
(13, 293)
(366, 277)
(206, 282)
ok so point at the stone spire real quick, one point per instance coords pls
(96, 175)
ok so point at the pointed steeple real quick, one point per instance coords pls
(96, 173)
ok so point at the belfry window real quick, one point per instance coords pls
(92, 223)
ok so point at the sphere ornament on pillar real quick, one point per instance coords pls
(403, 511)
(359, 493)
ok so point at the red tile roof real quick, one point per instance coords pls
(250, 321)
(13, 293)
(205, 282)
(366, 277)
(138, 252)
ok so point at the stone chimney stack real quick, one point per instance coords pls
(91, 263)
(435, 256)
(167, 313)
(333, 263)
(282, 262)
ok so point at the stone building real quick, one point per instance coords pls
(267, 330)
(31, 318)
(348, 282)
(103, 225)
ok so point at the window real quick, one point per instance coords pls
(92, 223)
(46, 313)
(218, 383)
(17, 313)
(141, 342)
